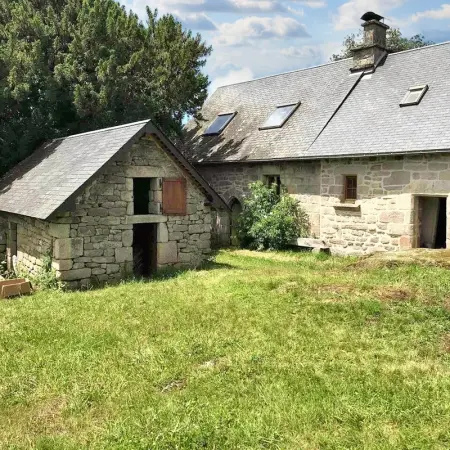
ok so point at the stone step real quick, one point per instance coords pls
(316, 245)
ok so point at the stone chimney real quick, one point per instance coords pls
(373, 49)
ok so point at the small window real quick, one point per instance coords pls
(414, 95)
(350, 187)
(272, 180)
(141, 195)
(221, 122)
(280, 116)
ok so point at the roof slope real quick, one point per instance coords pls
(371, 120)
(42, 183)
(341, 114)
(320, 90)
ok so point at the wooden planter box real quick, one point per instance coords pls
(13, 288)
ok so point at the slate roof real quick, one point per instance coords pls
(341, 114)
(56, 171)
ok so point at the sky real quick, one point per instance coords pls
(256, 38)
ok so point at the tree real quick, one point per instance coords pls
(394, 40)
(69, 66)
(270, 220)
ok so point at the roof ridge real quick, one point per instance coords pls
(425, 47)
(101, 130)
(329, 63)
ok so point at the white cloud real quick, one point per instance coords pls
(251, 28)
(349, 13)
(312, 3)
(306, 52)
(202, 6)
(442, 13)
(232, 77)
(198, 22)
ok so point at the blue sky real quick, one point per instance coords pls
(254, 38)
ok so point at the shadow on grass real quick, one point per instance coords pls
(169, 273)
(162, 275)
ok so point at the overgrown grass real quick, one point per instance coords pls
(289, 351)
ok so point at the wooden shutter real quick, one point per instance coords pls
(174, 197)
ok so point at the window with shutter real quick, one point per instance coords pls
(174, 197)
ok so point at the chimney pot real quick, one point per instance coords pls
(373, 48)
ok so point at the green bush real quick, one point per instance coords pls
(44, 279)
(270, 220)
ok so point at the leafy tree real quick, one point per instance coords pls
(394, 40)
(270, 220)
(70, 66)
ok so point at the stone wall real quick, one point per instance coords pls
(301, 179)
(385, 215)
(26, 240)
(34, 243)
(93, 243)
(3, 227)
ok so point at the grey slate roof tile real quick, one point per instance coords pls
(40, 184)
(370, 121)
(44, 181)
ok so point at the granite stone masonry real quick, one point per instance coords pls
(300, 179)
(93, 242)
(384, 216)
(90, 239)
(3, 228)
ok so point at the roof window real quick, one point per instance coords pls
(280, 116)
(414, 95)
(219, 124)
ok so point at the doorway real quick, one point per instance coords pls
(432, 222)
(145, 249)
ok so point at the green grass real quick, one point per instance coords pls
(289, 351)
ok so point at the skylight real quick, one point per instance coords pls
(219, 124)
(414, 95)
(280, 116)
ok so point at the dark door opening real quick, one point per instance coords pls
(141, 195)
(144, 249)
(433, 222)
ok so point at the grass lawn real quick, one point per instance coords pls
(281, 350)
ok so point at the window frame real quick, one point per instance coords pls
(347, 198)
(271, 127)
(422, 88)
(277, 182)
(216, 133)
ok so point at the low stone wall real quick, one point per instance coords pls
(384, 217)
(3, 227)
(93, 243)
(301, 179)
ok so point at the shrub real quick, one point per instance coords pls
(45, 278)
(270, 220)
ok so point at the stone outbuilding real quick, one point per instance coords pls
(363, 144)
(105, 205)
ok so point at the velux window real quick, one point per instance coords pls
(280, 116)
(350, 187)
(414, 95)
(221, 122)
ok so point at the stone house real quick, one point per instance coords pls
(106, 204)
(362, 143)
